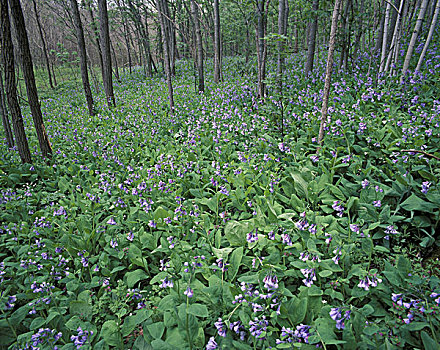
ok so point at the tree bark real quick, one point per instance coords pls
(328, 71)
(413, 40)
(165, 47)
(11, 91)
(312, 39)
(82, 56)
(5, 118)
(29, 78)
(96, 36)
(217, 44)
(43, 41)
(428, 39)
(106, 57)
(385, 38)
(394, 39)
(261, 47)
(199, 50)
(281, 41)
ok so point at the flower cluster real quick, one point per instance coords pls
(339, 208)
(46, 337)
(310, 276)
(336, 314)
(258, 327)
(82, 337)
(299, 335)
(369, 281)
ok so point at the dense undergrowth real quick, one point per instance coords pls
(216, 227)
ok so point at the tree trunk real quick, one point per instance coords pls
(199, 50)
(106, 57)
(82, 56)
(385, 38)
(96, 36)
(165, 47)
(43, 41)
(395, 36)
(217, 44)
(328, 71)
(11, 91)
(29, 78)
(428, 39)
(261, 47)
(312, 39)
(413, 40)
(116, 62)
(5, 118)
(379, 37)
(281, 42)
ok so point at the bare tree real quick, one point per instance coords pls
(328, 71)
(43, 41)
(106, 57)
(312, 38)
(261, 46)
(29, 78)
(5, 118)
(413, 40)
(430, 34)
(165, 46)
(82, 56)
(11, 91)
(199, 46)
(217, 44)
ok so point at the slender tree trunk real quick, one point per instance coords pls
(312, 38)
(395, 36)
(328, 71)
(199, 46)
(385, 38)
(217, 44)
(11, 91)
(5, 118)
(116, 62)
(380, 28)
(82, 56)
(96, 36)
(430, 34)
(106, 57)
(165, 47)
(29, 78)
(261, 47)
(281, 42)
(43, 41)
(149, 58)
(413, 40)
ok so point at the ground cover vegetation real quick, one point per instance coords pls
(222, 222)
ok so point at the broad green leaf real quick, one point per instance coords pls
(135, 276)
(198, 310)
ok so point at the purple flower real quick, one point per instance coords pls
(212, 345)
(167, 283)
(377, 203)
(252, 236)
(130, 236)
(113, 243)
(111, 221)
(152, 224)
(189, 292)
(221, 328)
(82, 337)
(270, 282)
(425, 186)
(365, 183)
(258, 327)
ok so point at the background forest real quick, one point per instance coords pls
(219, 175)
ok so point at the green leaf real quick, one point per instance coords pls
(135, 276)
(428, 342)
(236, 232)
(131, 322)
(80, 307)
(110, 333)
(198, 310)
(416, 326)
(325, 273)
(37, 323)
(156, 329)
(235, 262)
(415, 203)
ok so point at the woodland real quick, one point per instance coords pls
(205, 174)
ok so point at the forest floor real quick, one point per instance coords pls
(221, 223)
